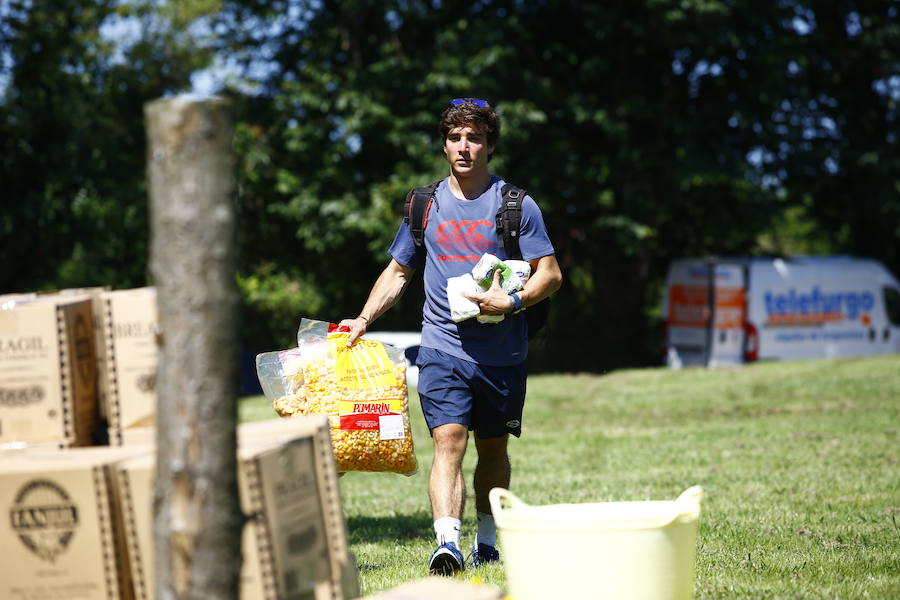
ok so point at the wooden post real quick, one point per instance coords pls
(197, 518)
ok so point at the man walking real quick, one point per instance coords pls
(471, 375)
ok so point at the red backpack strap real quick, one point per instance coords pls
(415, 210)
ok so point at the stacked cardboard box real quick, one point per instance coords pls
(42, 401)
(8, 301)
(94, 294)
(80, 520)
(295, 541)
(128, 354)
(340, 578)
(48, 382)
(62, 537)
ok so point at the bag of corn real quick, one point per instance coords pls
(362, 389)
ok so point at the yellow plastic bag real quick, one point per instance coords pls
(362, 389)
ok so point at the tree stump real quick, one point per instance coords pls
(197, 518)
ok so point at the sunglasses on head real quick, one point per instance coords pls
(475, 101)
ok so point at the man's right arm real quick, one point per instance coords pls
(388, 288)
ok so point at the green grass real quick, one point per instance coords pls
(799, 461)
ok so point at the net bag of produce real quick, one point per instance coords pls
(362, 389)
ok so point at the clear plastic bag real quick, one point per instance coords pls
(362, 389)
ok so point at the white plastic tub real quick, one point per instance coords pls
(616, 550)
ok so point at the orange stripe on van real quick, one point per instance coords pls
(688, 306)
(817, 318)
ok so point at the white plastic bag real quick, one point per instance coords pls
(513, 275)
(483, 271)
(461, 308)
(521, 268)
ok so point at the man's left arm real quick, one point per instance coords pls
(546, 278)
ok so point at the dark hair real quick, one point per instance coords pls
(482, 118)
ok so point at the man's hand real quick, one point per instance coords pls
(358, 328)
(494, 301)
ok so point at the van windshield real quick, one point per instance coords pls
(892, 305)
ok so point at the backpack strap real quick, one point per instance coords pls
(415, 211)
(509, 219)
(509, 223)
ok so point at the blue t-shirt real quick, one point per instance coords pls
(457, 234)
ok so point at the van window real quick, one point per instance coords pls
(892, 305)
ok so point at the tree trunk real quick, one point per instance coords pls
(197, 519)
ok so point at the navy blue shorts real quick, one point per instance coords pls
(486, 399)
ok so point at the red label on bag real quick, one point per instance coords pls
(362, 421)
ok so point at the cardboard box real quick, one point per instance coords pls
(8, 301)
(135, 436)
(128, 359)
(61, 531)
(343, 579)
(48, 390)
(283, 429)
(439, 588)
(294, 543)
(8, 449)
(96, 308)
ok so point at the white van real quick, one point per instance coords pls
(723, 311)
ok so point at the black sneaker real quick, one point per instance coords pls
(446, 560)
(483, 554)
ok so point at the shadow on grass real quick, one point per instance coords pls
(399, 528)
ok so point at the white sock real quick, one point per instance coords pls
(447, 531)
(487, 530)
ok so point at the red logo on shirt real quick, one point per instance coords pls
(464, 236)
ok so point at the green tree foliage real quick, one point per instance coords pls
(72, 137)
(832, 134)
(645, 130)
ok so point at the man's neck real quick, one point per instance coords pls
(469, 188)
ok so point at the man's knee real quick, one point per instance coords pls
(492, 450)
(451, 438)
